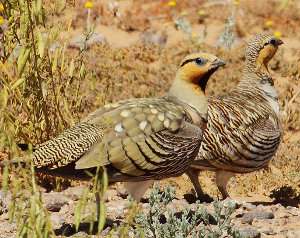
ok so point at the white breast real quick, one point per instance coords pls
(271, 96)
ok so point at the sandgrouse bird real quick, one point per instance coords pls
(243, 130)
(137, 140)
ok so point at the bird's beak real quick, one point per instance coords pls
(217, 63)
(279, 42)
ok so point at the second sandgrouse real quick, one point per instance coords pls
(243, 130)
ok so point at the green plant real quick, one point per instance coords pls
(164, 222)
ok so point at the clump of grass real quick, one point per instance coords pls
(39, 93)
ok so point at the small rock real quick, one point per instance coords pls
(106, 231)
(80, 42)
(248, 206)
(56, 220)
(250, 216)
(282, 214)
(75, 193)
(250, 233)
(5, 199)
(116, 209)
(293, 211)
(121, 190)
(54, 201)
(111, 194)
(80, 234)
(269, 232)
(9, 231)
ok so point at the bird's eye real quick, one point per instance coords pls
(273, 41)
(200, 61)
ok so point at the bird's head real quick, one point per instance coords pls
(197, 68)
(260, 51)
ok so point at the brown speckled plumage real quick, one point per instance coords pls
(243, 130)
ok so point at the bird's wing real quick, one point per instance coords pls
(135, 137)
(146, 136)
(239, 134)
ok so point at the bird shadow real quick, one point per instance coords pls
(286, 196)
(90, 228)
(191, 198)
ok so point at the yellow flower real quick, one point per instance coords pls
(194, 35)
(172, 3)
(183, 13)
(1, 7)
(1, 20)
(277, 34)
(201, 12)
(88, 4)
(269, 23)
(236, 2)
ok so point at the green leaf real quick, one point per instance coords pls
(17, 83)
(22, 60)
(102, 217)
(71, 69)
(3, 98)
(40, 44)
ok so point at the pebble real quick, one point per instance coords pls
(248, 206)
(75, 193)
(56, 220)
(250, 216)
(54, 201)
(250, 233)
(269, 232)
(121, 191)
(116, 209)
(80, 234)
(5, 199)
(111, 194)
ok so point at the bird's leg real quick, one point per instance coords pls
(222, 178)
(193, 174)
(138, 189)
(97, 196)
